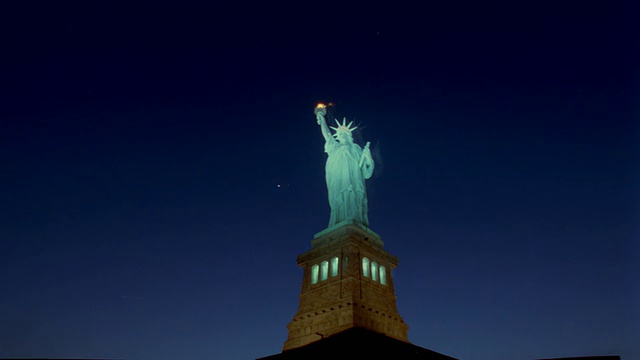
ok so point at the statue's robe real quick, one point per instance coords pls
(345, 182)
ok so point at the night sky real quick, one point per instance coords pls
(162, 168)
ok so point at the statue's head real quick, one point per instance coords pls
(343, 131)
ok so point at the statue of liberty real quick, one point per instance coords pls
(348, 166)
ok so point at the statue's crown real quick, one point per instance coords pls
(343, 127)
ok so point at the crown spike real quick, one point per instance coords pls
(343, 126)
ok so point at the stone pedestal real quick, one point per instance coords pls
(350, 296)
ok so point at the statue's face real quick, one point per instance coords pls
(344, 137)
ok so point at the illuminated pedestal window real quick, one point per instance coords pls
(314, 274)
(383, 275)
(324, 270)
(374, 271)
(321, 272)
(365, 267)
(334, 266)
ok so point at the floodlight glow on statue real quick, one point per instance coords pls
(347, 168)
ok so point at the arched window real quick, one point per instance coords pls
(383, 275)
(365, 267)
(324, 270)
(314, 274)
(334, 266)
(374, 271)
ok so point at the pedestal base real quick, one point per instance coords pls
(353, 294)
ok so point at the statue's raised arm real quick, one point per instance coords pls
(321, 111)
(348, 165)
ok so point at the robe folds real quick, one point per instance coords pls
(346, 175)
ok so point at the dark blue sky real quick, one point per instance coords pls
(162, 168)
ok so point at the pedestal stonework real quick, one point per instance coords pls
(349, 298)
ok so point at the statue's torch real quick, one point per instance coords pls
(320, 111)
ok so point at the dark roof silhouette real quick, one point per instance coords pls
(603, 357)
(359, 343)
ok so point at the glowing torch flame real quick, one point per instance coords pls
(320, 110)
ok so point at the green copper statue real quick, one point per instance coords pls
(348, 165)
